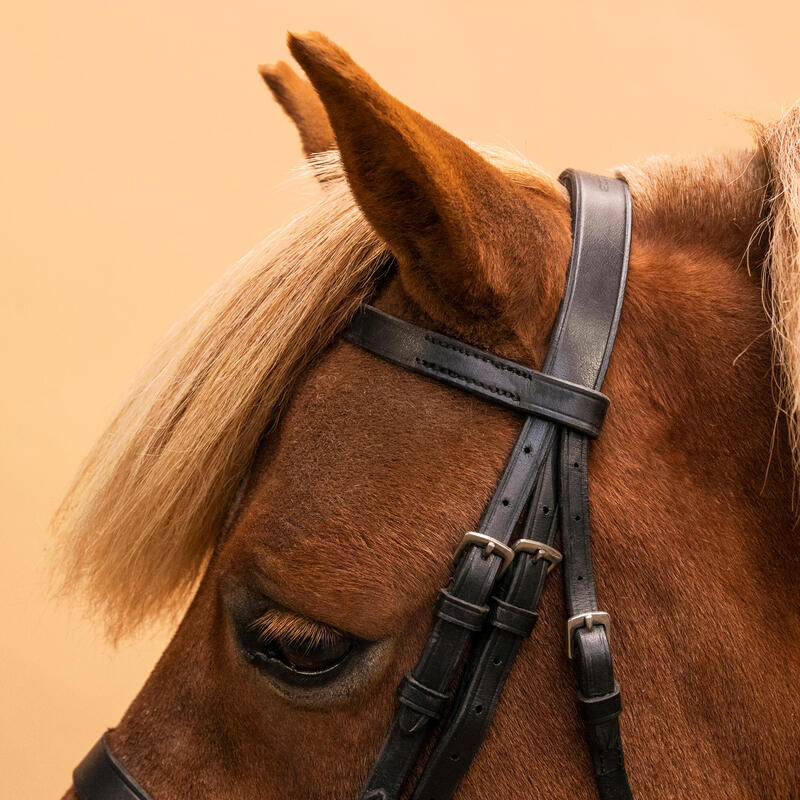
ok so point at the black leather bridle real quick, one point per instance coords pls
(489, 606)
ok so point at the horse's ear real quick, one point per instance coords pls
(465, 235)
(300, 101)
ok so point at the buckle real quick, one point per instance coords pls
(540, 550)
(587, 621)
(490, 545)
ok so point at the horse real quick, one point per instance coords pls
(298, 500)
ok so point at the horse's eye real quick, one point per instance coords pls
(306, 655)
(293, 653)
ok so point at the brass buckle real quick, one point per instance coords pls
(490, 545)
(541, 551)
(587, 621)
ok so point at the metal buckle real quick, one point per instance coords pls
(588, 621)
(490, 545)
(540, 550)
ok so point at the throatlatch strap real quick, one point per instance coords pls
(581, 343)
(101, 777)
(587, 634)
(588, 642)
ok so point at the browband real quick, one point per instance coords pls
(481, 619)
(466, 367)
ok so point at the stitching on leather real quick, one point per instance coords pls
(445, 371)
(479, 357)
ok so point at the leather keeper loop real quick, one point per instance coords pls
(460, 612)
(421, 698)
(597, 710)
(511, 618)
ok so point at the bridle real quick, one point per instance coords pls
(489, 606)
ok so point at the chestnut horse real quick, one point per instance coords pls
(312, 495)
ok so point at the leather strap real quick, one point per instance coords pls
(598, 692)
(101, 777)
(581, 343)
(488, 376)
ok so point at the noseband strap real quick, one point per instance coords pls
(489, 607)
(101, 777)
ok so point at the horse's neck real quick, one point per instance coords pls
(715, 201)
(700, 243)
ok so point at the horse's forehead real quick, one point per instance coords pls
(367, 484)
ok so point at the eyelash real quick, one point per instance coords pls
(293, 631)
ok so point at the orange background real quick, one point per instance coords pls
(141, 154)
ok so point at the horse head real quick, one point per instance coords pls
(312, 495)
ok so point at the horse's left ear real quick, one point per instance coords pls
(467, 238)
(298, 98)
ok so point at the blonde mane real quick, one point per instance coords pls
(780, 144)
(148, 503)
